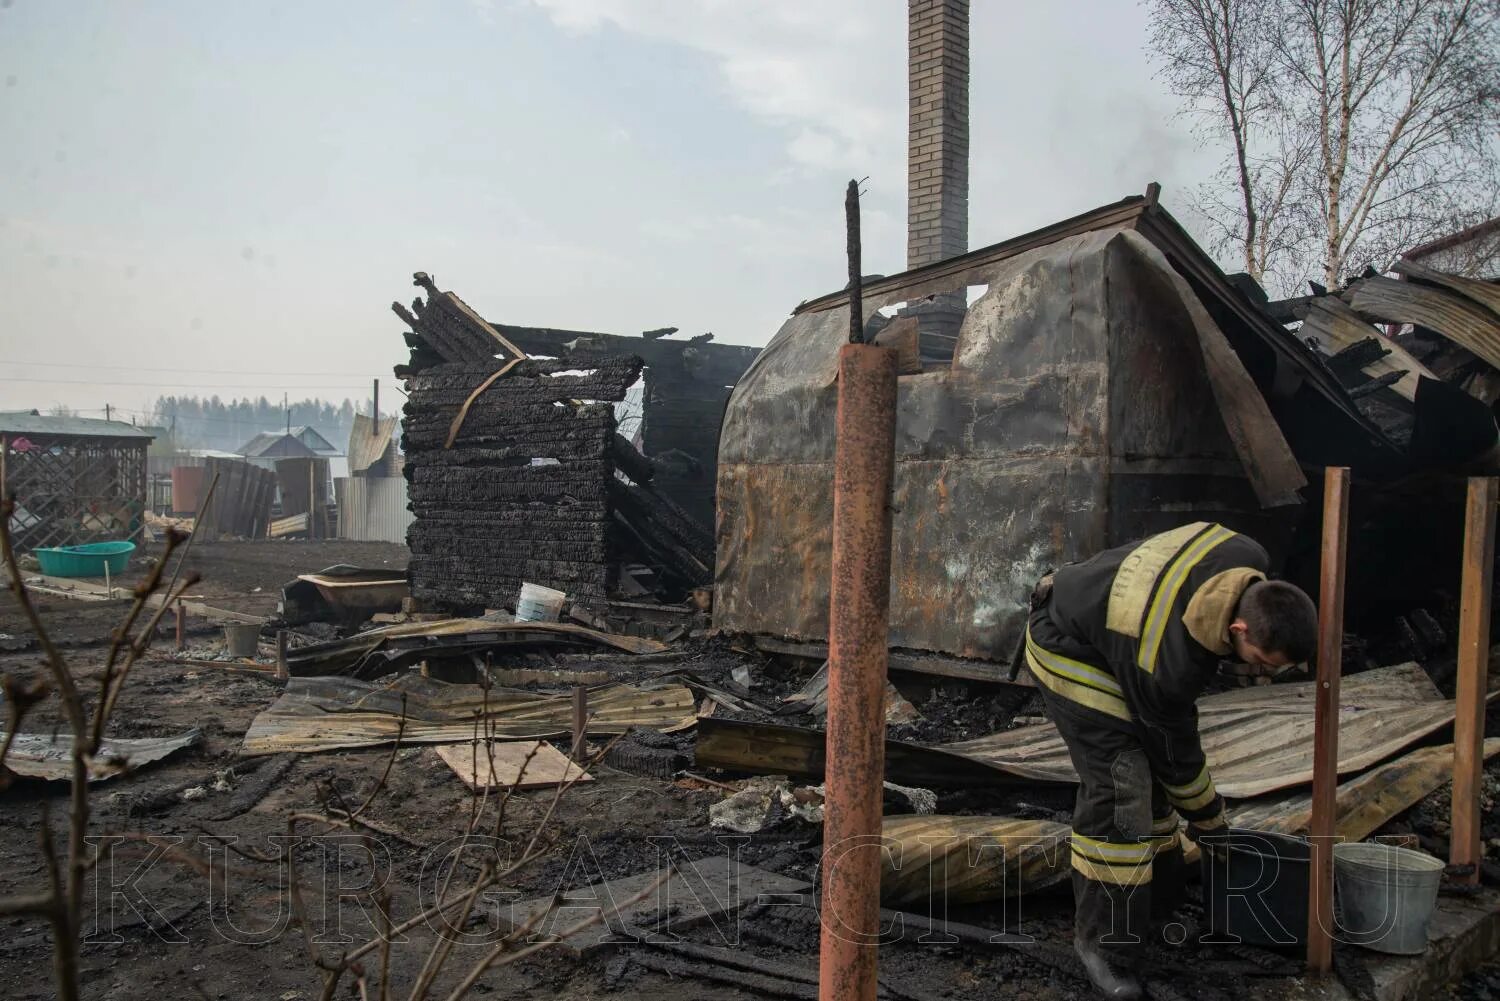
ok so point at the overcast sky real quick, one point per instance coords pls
(225, 197)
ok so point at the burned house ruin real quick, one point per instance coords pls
(517, 471)
(1107, 382)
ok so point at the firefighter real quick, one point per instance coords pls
(1121, 646)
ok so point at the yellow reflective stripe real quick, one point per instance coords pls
(1165, 842)
(1193, 788)
(1136, 578)
(1166, 594)
(1077, 682)
(1197, 802)
(1195, 795)
(1074, 670)
(1117, 875)
(1112, 852)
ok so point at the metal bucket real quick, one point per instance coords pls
(539, 604)
(240, 638)
(1383, 896)
(1255, 887)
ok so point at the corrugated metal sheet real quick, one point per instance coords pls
(371, 449)
(965, 860)
(373, 508)
(1260, 739)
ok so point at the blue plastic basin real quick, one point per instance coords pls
(89, 560)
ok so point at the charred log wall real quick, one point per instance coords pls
(511, 484)
(522, 494)
(517, 471)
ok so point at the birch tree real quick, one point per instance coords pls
(1355, 128)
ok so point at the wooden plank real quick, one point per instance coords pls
(498, 764)
(1322, 829)
(939, 664)
(1473, 670)
(83, 590)
(287, 526)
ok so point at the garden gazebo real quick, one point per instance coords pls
(75, 479)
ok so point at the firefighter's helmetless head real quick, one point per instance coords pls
(1275, 625)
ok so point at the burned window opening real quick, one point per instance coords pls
(685, 387)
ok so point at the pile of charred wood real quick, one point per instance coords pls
(517, 472)
(1431, 379)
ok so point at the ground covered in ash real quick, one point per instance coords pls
(159, 927)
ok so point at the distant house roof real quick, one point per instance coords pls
(31, 422)
(279, 444)
(310, 437)
(300, 440)
(1454, 239)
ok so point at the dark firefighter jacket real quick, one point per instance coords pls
(1135, 636)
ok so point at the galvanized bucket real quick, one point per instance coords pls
(1384, 896)
(240, 639)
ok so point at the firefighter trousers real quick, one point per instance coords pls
(1128, 867)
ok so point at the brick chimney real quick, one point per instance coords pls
(937, 164)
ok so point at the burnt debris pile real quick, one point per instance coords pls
(518, 473)
(1431, 379)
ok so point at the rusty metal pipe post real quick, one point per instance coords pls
(1465, 845)
(1322, 827)
(859, 612)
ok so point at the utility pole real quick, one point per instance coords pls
(106, 411)
(287, 407)
(375, 403)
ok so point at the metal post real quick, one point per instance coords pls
(181, 625)
(858, 632)
(281, 668)
(375, 405)
(858, 612)
(1464, 847)
(580, 720)
(1326, 719)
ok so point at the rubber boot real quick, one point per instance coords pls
(1111, 981)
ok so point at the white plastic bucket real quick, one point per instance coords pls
(1384, 896)
(539, 604)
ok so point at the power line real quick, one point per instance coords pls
(186, 385)
(180, 371)
(193, 419)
